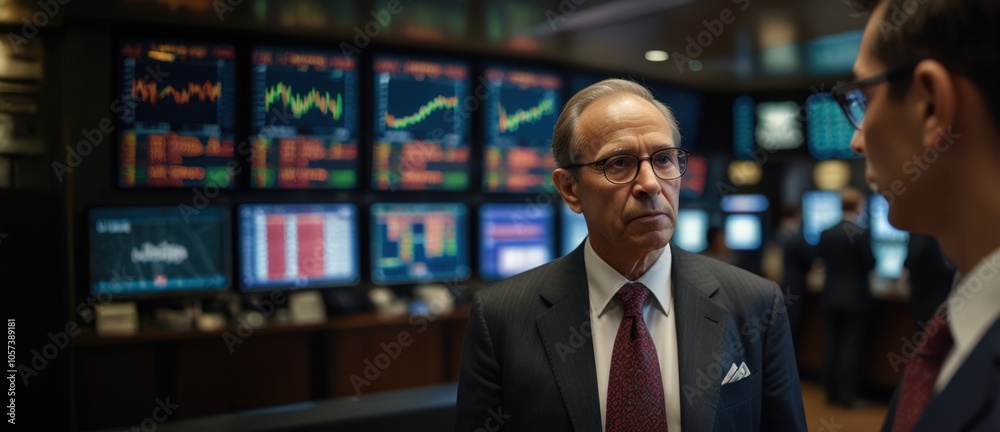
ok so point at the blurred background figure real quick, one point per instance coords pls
(931, 276)
(787, 261)
(717, 248)
(847, 301)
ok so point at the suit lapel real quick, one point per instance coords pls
(700, 333)
(972, 386)
(566, 334)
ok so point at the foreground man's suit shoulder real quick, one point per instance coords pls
(528, 357)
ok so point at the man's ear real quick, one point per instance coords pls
(566, 184)
(938, 100)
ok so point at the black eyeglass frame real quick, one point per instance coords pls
(841, 93)
(602, 163)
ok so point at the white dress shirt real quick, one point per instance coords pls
(972, 308)
(606, 315)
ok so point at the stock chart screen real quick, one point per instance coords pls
(177, 125)
(157, 250)
(415, 243)
(521, 109)
(421, 137)
(305, 119)
(298, 246)
(514, 238)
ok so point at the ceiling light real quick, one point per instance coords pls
(657, 55)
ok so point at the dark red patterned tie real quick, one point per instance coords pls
(635, 389)
(918, 381)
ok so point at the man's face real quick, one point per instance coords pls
(631, 218)
(890, 135)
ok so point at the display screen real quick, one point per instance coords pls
(691, 231)
(414, 243)
(889, 259)
(744, 203)
(298, 246)
(779, 125)
(828, 129)
(521, 109)
(881, 229)
(821, 210)
(514, 238)
(305, 119)
(156, 250)
(421, 124)
(743, 232)
(574, 229)
(694, 179)
(176, 115)
(743, 127)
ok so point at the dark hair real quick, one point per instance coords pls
(963, 35)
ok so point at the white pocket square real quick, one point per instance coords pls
(736, 373)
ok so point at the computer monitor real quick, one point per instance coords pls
(417, 243)
(304, 119)
(881, 229)
(821, 210)
(421, 124)
(175, 114)
(827, 128)
(694, 179)
(140, 251)
(290, 246)
(520, 109)
(743, 232)
(514, 238)
(778, 125)
(692, 229)
(744, 203)
(574, 229)
(889, 259)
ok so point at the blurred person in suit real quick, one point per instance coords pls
(926, 106)
(796, 261)
(845, 250)
(627, 332)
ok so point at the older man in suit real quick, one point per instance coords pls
(926, 106)
(627, 332)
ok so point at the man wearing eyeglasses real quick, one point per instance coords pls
(627, 332)
(927, 109)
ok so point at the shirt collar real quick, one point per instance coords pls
(604, 281)
(975, 303)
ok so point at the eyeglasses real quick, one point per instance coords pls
(668, 164)
(853, 100)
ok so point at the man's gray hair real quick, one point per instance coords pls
(566, 143)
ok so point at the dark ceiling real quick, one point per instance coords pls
(746, 45)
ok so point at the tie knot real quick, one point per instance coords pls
(632, 296)
(938, 340)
